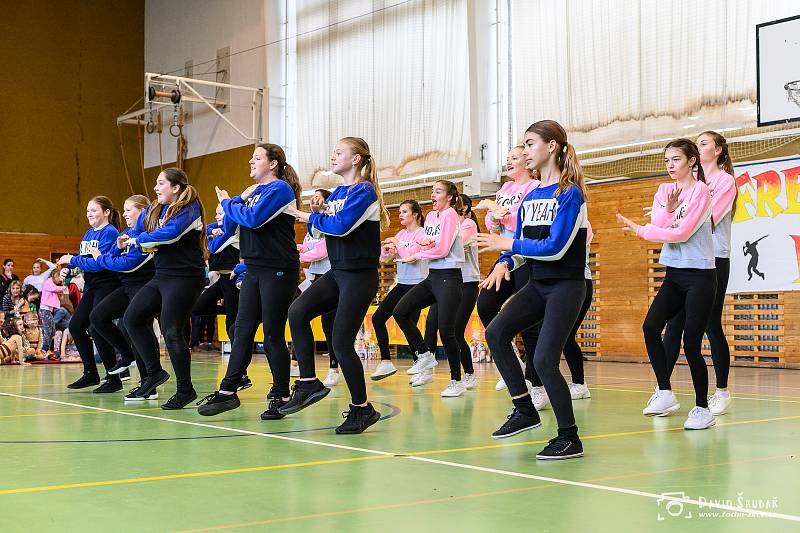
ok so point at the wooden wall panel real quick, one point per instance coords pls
(25, 248)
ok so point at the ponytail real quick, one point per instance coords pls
(566, 158)
(106, 204)
(368, 171)
(724, 161)
(284, 171)
(466, 210)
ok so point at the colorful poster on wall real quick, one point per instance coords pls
(765, 238)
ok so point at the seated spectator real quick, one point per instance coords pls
(7, 276)
(12, 298)
(38, 274)
(11, 343)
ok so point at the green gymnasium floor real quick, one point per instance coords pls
(74, 461)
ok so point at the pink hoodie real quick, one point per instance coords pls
(50, 292)
(406, 245)
(509, 196)
(444, 229)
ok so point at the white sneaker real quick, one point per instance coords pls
(719, 403)
(294, 371)
(699, 418)
(579, 391)
(424, 361)
(384, 370)
(333, 378)
(540, 399)
(423, 378)
(454, 389)
(470, 381)
(501, 385)
(661, 403)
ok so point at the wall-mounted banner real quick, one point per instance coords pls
(765, 240)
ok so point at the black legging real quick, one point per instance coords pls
(102, 316)
(491, 301)
(691, 290)
(327, 328)
(442, 287)
(171, 298)
(572, 350)
(349, 293)
(223, 289)
(265, 298)
(382, 315)
(556, 303)
(720, 352)
(466, 305)
(80, 329)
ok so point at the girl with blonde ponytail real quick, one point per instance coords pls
(172, 228)
(351, 220)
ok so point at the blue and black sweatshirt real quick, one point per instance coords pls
(352, 226)
(133, 266)
(266, 229)
(176, 242)
(224, 248)
(551, 234)
(104, 239)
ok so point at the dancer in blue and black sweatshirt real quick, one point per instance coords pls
(265, 215)
(351, 219)
(551, 237)
(134, 268)
(99, 283)
(172, 228)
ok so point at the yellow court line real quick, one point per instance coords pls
(188, 475)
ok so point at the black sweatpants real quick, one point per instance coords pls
(720, 351)
(327, 329)
(223, 289)
(349, 293)
(693, 291)
(171, 299)
(102, 318)
(556, 303)
(265, 297)
(442, 287)
(469, 295)
(80, 327)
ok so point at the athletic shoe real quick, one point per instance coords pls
(132, 396)
(517, 423)
(470, 381)
(357, 419)
(86, 380)
(454, 389)
(294, 371)
(501, 384)
(384, 370)
(424, 361)
(152, 383)
(125, 375)
(272, 412)
(216, 403)
(121, 366)
(719, 403)
(304, 393)
(699, 418)
(179, 401)
(561, 448)
(112, 385)
(333, 378)
(579, 391)
(661, 403)
(244, 383)
(539, 398)
(423, 378)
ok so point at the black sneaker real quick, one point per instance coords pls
(217, 403)
(357, 419)
(125, 375)
(304, 393)
(180, 400)
(517, 423)
(561, 448)
(152, 383)
(272, 412)
(121, 366)
(111, 385)
(245, 383)
(86, 380)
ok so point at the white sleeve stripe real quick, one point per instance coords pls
(369, 214)
(196, 225)
(277, 213)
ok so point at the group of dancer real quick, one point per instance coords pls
(539, 288)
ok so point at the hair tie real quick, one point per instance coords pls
(564, 148)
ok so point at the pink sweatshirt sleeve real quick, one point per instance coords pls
(589, 233)
(659, 216)
(468, 230)
(490, 222)
(723, 196)
(698, 209)
(448, 226)
(320, 251)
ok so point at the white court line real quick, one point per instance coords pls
(688, 382)
(607, 488)
(692, 394)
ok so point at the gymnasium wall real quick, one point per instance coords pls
(72, 69)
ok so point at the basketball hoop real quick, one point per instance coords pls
(793, 91)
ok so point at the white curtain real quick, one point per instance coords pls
(394, 73)
(621, 71)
